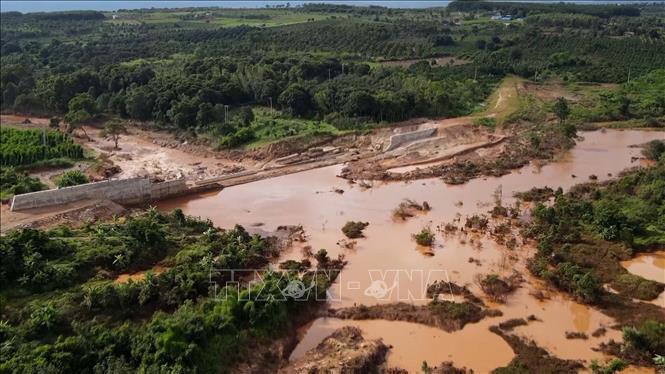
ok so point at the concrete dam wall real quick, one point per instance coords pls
(399, 139)
(121, 191)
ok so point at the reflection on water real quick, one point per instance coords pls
(581, 316)
(307, 199)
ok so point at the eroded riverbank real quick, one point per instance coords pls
(314, 199)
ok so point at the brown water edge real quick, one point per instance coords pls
(389, 253)
(412, 343)
(649, 266)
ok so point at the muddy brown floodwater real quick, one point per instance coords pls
(649, 266)
(388, 252)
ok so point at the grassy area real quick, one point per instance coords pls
(505, 101)
(642, 98)
(269, 127)
(218, 17)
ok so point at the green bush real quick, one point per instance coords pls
(488, 122)
(425, 237)
(72, 178)
(653, 150)
(13, 182)
(354, 230)
(648, 338)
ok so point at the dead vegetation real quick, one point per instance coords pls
(409, 208)
(530, 358)
(536, 194)
(498, 288)
(449, 288)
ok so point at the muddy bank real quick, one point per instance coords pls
(412, 343)
(445, 315)
(494, 158)
(345, 350)
(647, 265)
(531, 358)
(73, 214)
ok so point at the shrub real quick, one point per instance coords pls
(72, 178)
(488, 122)
(425, 237)
(648, 338)
(354, 230)
(616, 365)
(495, 287)
(13, 182)
(654, 149)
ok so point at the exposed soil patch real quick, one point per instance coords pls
(346, 351)
(138, 276)
(72, 214)
(495, 160)
(449, 288)
(436, 61)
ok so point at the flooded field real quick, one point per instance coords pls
(388, 253)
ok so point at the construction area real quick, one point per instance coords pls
(151, 166)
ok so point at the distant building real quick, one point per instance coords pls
(499, 17)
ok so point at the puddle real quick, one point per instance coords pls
(648, 266)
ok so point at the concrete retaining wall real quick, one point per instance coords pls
(399, 139)
(121, 191)
(163, 190)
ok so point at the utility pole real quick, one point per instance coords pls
(271, 111)
(628, 75)
(226, 113)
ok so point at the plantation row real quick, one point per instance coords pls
(25, 147)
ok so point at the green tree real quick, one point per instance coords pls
(112, 131)
(139, 103)
(9, 95)
(359, 103)
(245, 115)
(81, 108)
(54, 122)
(561, 109)
(296, 100)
